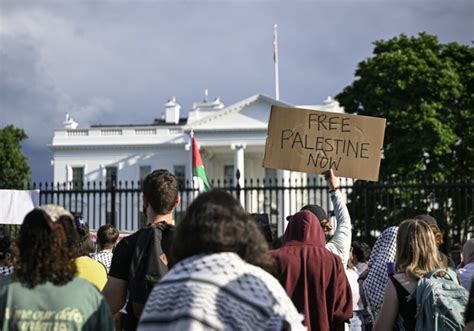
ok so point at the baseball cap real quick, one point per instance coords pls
(316, 210)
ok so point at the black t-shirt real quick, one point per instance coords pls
(120, 268)
(122, 258)
(407, 308)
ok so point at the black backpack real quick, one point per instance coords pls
(149, 263)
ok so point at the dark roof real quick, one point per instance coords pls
(159, 121)
(156, 122)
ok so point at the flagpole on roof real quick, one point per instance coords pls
(275, 61)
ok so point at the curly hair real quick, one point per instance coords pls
(215, 222)
(43, 253)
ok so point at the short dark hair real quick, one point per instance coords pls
(107, 236)
(361, 251)
(215, 222)
(160, 188)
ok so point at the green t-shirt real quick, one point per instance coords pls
(77, 305)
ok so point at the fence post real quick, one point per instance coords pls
(113, 192)
(365, 217)
(237, 187)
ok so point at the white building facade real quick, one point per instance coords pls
(231, 138)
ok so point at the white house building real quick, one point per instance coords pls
(230, 138)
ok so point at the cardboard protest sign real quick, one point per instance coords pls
(315, 141)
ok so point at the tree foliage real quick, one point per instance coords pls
(425, 90)
(14, 168)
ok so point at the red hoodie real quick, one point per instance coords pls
(313, 277)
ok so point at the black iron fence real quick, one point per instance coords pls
(372, 206)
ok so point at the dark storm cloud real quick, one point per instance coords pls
(95, 59)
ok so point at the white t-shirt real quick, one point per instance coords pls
(352, 277)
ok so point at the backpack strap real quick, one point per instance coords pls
(402, 293)
(441, 273)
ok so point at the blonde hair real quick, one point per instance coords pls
(417, 252)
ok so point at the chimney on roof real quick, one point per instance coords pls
(69, 123)
(172, 110)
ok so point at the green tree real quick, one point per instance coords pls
(425, 90)
(14, 168)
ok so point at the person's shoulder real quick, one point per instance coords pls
(406, 281)
(97, 265)
(130, 240)
(85, 290)
(352, 274)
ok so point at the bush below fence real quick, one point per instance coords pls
(372, 206)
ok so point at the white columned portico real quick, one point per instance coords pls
(239, 161)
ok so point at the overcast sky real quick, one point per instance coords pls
(118, 62)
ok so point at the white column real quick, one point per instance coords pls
(239, 161)
(68, 176)
(189, 167)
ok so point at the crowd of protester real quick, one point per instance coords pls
(215, 270)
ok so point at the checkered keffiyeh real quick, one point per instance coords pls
(384, 251)
(104, 257)
(6, 270)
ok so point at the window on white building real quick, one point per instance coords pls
(180, 173)
(229, 174)
(110, 177)
(77, 178)
(144, 171)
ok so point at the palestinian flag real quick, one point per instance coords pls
(199, 173)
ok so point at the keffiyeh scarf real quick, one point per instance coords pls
(384, 250)
(218, 292)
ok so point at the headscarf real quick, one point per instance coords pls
(384, 250)
(313, 277)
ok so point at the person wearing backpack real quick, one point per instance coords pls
(141, 259)
(421, 295)
(221, 278)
